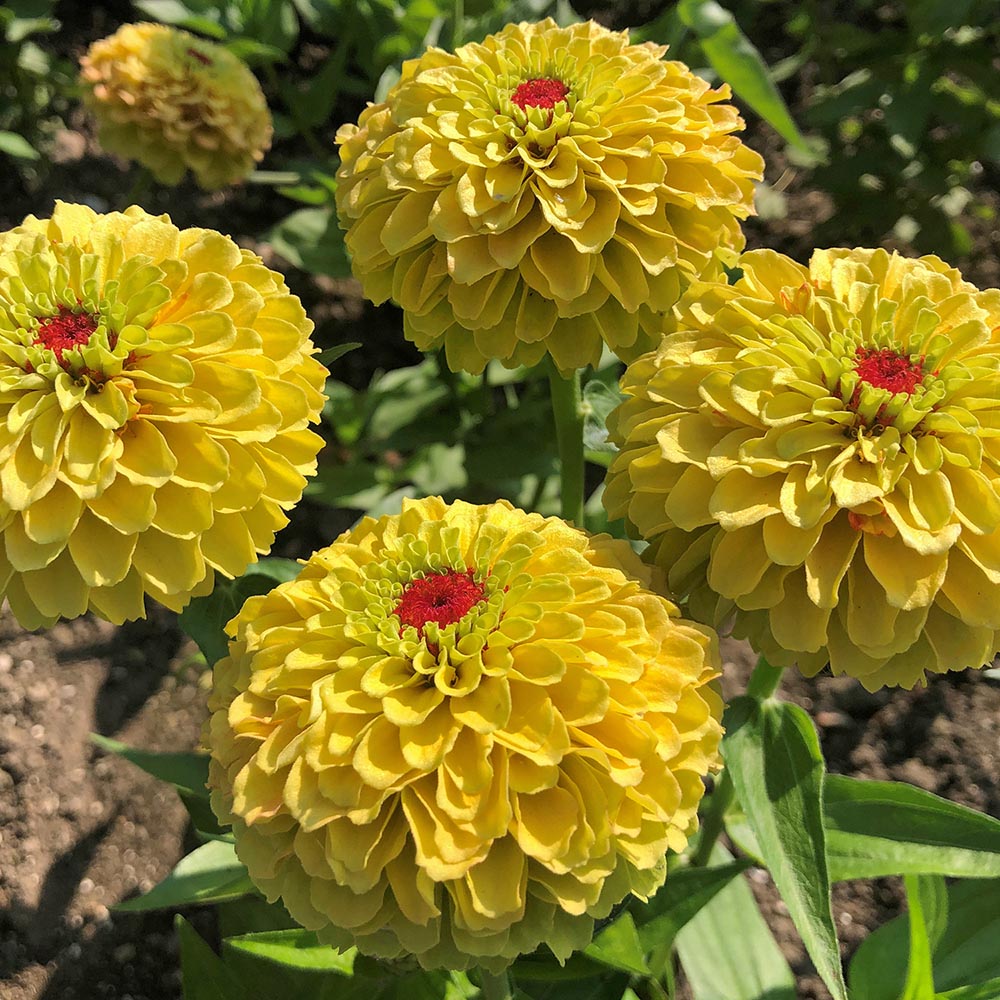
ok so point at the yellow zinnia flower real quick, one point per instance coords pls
(156, 390)
(816, 449)
(548, 190)
(174, 102)
(463, 731)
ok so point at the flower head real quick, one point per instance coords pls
(156, 391)
(175, 102)
(817, 449)
(463, 731)
(548, 190)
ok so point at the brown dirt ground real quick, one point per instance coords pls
(81, 830)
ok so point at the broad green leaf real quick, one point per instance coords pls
(734, 57)
(203, 974)
(296, 948)
(682, 895)
(928, 905)
(187, 772)
(209, 874)
(17, 146)
(312, 240)
(618, 946)
(205, 618)
(727, 950)
(876, 828)
(772, 752)
(965, 955)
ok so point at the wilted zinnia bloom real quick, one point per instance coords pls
(547, 190)
(175, 102)
(463, 731)
(816, 448)
(156, 391)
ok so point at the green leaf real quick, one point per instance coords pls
(965, 955)
(203, 974)
(331, 354)
(311, 239)
(682, 895)
(209, 874)
(876, 828)
(989, 990)
(772, 752)
(727, 950)
(17, 146)
(187, 772)
(205, 618)
(737, 61)
(297, 948)
(928, 905)
(618, 946)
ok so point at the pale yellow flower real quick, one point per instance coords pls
(176, 102)
(462, 732)
(549, 190)
(815, 450)
(156, 391)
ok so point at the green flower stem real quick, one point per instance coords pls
(762, 684)
(458, 24)
(568, 412)
(494, 987)
(713, 820)
(764, 680)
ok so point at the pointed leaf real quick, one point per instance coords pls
(684, 893)
(187, 772)
(772, 752)
(734, 57)
(331, 354)
(209, 874)
(727, 950)
(618, 947)
(297, 948)
(204, 976)
(876, 828)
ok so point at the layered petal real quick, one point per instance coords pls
(462, 732)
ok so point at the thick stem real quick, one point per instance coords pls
(568, 413)
(762, 684)
(764, 680)
(494, 987)
(713, 820)
(458, 27)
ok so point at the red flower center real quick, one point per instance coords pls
(887, 369)
(539, 93)
(66, 330)
(439, 597)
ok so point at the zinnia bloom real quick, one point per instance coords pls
(548, 190)
(156, 391)
(175, 102)
(816, 449)
(463, 731)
